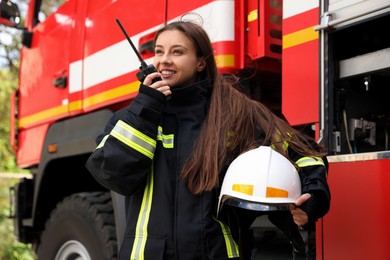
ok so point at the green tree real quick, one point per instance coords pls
(10, 44)
(10, 249)
(10, 41)
(7, 86)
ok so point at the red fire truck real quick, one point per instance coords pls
(325, 65)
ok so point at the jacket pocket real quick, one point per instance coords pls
(155, 249)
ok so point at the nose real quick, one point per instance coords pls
(162, 59)
(165, 58)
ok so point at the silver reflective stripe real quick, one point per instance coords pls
(141, 231)
(134, 139)
(310, 161)
(167, 140)
(231, 246)
(102, 142)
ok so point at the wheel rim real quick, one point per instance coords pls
(73, 250)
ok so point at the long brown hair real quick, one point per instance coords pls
(233, 122)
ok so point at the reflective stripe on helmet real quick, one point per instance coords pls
(243, 188)
(310, 161)
(231, 245)
(272, 192)
(141, 230)
(134, 139)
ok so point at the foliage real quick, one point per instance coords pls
(10, 40)
(10, 43)
(8, 83)
(10, 249)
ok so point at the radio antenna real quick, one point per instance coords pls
(143, 63)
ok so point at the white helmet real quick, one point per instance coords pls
(260, 179)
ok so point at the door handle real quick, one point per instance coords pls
(60, 82)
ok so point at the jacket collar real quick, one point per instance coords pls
(190, 95)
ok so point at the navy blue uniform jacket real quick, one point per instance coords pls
(140, 155)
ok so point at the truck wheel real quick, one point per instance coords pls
(81, 227)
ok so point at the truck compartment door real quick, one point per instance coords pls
(300, 68)
(44, 71)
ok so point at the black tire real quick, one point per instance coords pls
(81, 227)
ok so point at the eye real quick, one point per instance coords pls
(177, 52)
(158, 51)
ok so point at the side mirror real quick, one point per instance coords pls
(9, 13)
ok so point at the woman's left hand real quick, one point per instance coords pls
(299, 216)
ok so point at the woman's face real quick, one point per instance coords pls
(175, 58)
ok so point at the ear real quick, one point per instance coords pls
(201, 65)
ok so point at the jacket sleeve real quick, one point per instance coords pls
(125, 150)
(313, 174)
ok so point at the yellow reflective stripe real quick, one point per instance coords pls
(272, 192)
(167, 140)
(134, 139)
(278, 140)
(310, 161)
(101, 144)
(284, 146)
(141, 231)
(243, 188)
(299, 37)
(231, 246)
(230, 136)
(226, 60)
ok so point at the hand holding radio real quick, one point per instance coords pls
(160, 85)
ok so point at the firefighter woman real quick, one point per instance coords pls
(168, 150)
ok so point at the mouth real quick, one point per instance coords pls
(167, 73)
